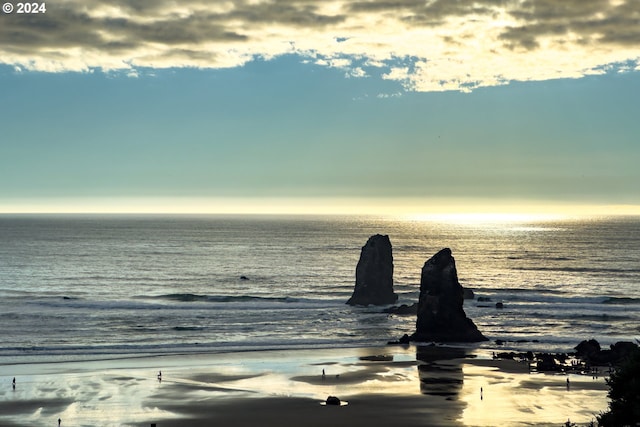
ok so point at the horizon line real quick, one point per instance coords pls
(409, 207)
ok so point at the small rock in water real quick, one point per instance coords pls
(244, 278)
(468, 293)
(403, 309)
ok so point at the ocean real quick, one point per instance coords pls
(76, 287)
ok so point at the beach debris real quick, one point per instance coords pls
(441, 317)
(244, 278)
(333, 400)
(374, 274)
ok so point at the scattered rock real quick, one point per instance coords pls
(547, 362)
(484, 299)
(587, 349)
(468, 293)
(244, 278)
(499, 305)
(374, 274)
(441, 317)
(507, 355)
(403, 310)
(404, 340)
(377, 358)
(590, 352)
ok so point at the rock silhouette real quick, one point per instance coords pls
(374, 274)
(441, 317)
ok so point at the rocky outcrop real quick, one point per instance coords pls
(591, 353)
(441, 317)
(374, 274)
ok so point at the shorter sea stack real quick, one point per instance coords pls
(441, 317)
(374, 274)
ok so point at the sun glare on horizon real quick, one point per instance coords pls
(475, 218)
(452, 211)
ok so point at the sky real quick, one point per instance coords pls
(335, 106)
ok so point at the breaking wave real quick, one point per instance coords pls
(187, 297)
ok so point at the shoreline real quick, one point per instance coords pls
(423, 385)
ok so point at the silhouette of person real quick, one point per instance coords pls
(323, 374)
(159, 375)
(14, 383)
(59, 421)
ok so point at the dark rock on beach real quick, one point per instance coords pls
(587, 349)
(547, 362)
(404, 340)
(588, 354)
(591, 352)
(441, 317)
(333, 400)
(374, 274)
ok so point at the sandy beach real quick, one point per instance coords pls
(412, 386)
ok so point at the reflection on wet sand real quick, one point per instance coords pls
(440, 371)
(408, 386)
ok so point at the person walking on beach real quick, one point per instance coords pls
(159, 376)
(59, 421)
(14, 383)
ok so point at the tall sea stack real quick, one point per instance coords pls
(374, 274)
(441, 317)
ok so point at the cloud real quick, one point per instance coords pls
(430, 45)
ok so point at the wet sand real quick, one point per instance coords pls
(408, 386)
